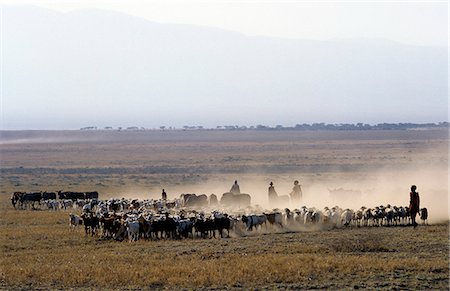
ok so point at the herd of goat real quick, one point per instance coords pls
(135, 219)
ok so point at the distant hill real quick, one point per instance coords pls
(66, 70)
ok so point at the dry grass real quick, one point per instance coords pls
(39, 251)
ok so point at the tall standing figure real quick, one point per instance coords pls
(273, 196)
(414, 204)
(296, 194)
(235, 188)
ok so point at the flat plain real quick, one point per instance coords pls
(39, 251)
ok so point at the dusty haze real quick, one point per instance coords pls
(381, 165)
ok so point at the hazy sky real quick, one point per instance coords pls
(411, 22)
(387, 62)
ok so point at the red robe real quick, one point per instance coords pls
(414, 202)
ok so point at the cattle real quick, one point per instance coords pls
(253, 221)
(185, 227)
(164, 226)
(110, 225)
(213, 201)
(145, 226)
(424, 215)
(222, 222)
(91, 195)
(204, 226)
(70, 195)
(274, 218)
(235, 200)
(48, 195)
(91, 223)
(191, 200)
(30, 199)
(15, 198)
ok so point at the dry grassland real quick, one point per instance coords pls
(38, 250)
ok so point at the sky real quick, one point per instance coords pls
(410, 22)
(382, 61)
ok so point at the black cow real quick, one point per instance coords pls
(91, 223)
(15, 198)
(235, 200)
(48, 195)
(194, 200)
(91, 195)
(70, 195)
(223, 223)
(30, 199)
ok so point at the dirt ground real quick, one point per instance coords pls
(38, 251)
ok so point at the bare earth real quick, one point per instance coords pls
(38, 251)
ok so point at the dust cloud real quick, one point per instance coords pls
(369, 189)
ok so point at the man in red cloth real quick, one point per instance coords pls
(414, 204)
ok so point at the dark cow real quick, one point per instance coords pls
(164, 227)
(223, 223)
(213, 201)
(204, 226)
(48, 195)
(190, 200)
(275, 218)
(15, 198)
(70, 195)
(30, 199)
(424, 215)
(235, 200)
(110, 225)
(91, 195)
(91, 223)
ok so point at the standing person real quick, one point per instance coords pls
(414, 204)
(164, 195)
(273, 196)
(296, 194)
(235, 188)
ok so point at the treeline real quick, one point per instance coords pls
(304, 126)
(342, 126)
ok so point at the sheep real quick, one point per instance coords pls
(132, 229)
(74, 220)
